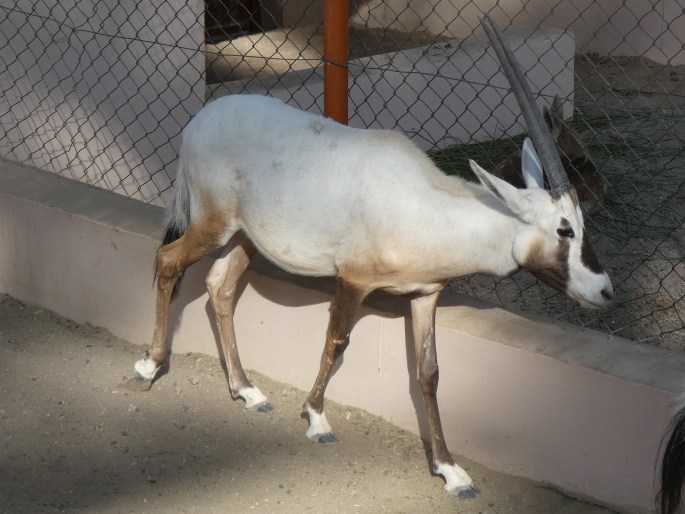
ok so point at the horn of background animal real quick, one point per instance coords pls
(542, 138)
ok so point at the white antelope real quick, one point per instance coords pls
(368, 207)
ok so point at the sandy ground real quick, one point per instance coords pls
(73, 439)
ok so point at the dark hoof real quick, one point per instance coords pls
(138, 384)
(465, 493)
(262, 407)
(328, 438)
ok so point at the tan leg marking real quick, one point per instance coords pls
(344, 308)
(205, 234)
(457, 481)
(222, 283)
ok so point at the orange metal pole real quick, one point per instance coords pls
(335, 57)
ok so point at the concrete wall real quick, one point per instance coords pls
(446, 94)
(291, 13)
(577, 409)
(651, 28)
(99, 91)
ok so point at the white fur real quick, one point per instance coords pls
(322, 199)
(540, 215)
(146, 368)
(531, 167)
(318, 198)
(455, 477)
(318, 424)
(252, 396)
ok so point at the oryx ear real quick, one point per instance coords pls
(554, 117)
(517, 201)
(531, 166)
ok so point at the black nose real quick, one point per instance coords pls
(607, 294)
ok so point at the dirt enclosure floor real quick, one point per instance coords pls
(73, 439)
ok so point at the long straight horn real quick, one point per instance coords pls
(542, 139)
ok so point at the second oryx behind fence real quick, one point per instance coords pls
(368, 207)
(576, 161)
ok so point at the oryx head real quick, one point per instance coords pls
(553, 244)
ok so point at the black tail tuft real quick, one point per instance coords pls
(673, 467)
(173, 232)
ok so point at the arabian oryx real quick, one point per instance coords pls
(368, 207)
(589, 184)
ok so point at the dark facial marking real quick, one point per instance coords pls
(588, 257)
(565, 232)
(555, 273)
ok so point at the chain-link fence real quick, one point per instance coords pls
(99, 92)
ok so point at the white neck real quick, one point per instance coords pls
(431, 234)
(476, 233)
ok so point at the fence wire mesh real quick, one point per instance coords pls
(99, 92)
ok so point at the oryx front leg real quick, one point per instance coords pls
(457, 481)
(344, 307)
(222, 283)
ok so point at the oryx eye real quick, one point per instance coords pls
(566, 233)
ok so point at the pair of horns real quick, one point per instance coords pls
(542, 139)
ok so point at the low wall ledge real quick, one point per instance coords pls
(625, 360)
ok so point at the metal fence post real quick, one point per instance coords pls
(335, 57)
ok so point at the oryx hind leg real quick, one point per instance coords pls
(203, 236)
(222, 284)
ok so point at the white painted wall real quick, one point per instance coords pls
(652, 28)
(582, 411)
(99, 91)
